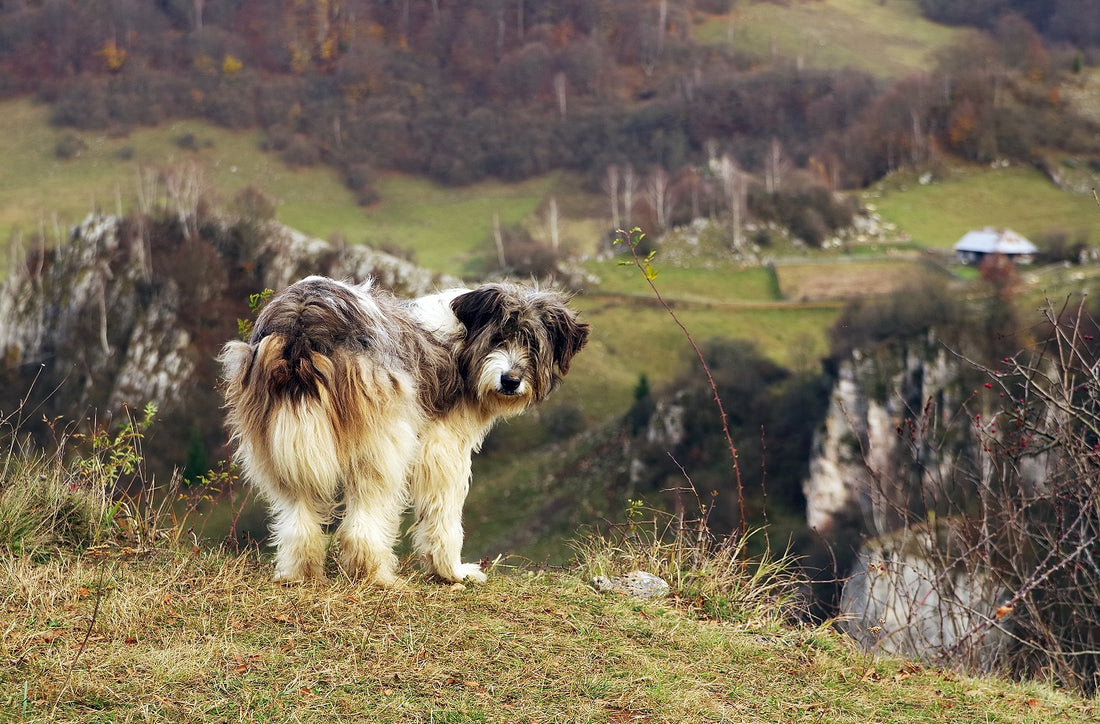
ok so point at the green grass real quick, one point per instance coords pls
(449, 229)
(718, 283)
(631, 337)
(149, 625)
(445, 228)
(36, 185)
(888, 39)
(938, 214)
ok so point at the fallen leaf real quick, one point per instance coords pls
(1003, 611)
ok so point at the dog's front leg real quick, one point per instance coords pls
(439, 482)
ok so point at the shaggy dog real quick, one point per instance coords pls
(344, 396)
(512, 346)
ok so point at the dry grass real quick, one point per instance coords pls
(180, 636)
(847, 278)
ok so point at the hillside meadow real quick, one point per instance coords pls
(786, 311)
(886, 39)
(935, 215)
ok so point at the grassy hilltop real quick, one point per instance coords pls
(175, 635)
(113, 613)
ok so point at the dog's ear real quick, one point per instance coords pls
(479, 307)
(568, 335)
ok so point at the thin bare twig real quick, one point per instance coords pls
(631, 239)
(87, 636)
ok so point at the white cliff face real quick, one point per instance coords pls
(837, 469)
(910, 594)
(876, 450)
(158, 358)
(294, 255)
(896, 441)
(665, 430)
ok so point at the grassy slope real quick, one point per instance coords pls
(35, 184)
(182, 636)
(887, 39)
(938, 214)
(449, 229)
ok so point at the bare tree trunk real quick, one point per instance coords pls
(630, 187)
(658, 195)
(103, 316)
(553, 217)
(498, 239)
(559, 89)
(734, 182)
(774, 167)
(611, 188)
(662, 24)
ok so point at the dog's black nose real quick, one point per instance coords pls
(509, 383)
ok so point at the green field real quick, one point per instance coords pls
(718, 283)
(443, 227)
(887, 39)
(936, 215)
(449, 229)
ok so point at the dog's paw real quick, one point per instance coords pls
(471, 572)
(294, 578)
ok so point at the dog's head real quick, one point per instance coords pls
(518, 344)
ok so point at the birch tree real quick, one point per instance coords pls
(733, 183)
(657, 188)
(611, 182)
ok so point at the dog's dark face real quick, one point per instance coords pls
(519, 343)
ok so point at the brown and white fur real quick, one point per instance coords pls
(343, 395)
(512, 345)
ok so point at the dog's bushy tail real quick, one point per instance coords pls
(286, 415)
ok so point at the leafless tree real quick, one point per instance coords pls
(560, 89)
(736, 189)
(611, 182)
(775, 166)
(657, 188)
(630, 189)
(185, 186)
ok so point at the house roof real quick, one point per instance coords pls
(995, 241)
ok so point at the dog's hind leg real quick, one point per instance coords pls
(374, 498)
(299, 541)
(440, 481)
(369, 531)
